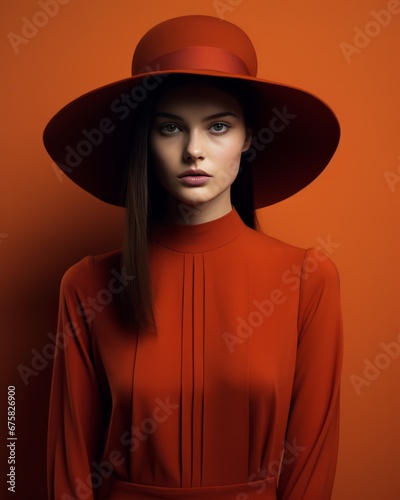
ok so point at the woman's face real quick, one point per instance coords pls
(197, 137)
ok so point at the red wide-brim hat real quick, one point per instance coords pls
(294, 137)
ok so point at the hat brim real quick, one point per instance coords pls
(295, 136)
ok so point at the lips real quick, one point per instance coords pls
(194, 173)
(194, 178)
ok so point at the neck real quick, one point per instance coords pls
(181, 213)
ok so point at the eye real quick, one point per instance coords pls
(169, 128)
(219, 127)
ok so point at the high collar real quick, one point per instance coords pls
(199, 237)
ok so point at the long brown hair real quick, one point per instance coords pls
(146, 199)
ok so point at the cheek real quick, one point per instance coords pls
(163, 163)
(165, 153)
(230, 160)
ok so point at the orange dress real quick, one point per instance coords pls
(235, 395)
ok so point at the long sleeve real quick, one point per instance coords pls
(76, 416)
(311, 443)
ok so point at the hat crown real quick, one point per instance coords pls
(195, 43)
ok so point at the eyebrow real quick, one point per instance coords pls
(211, 117)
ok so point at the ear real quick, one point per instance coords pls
(248, 138)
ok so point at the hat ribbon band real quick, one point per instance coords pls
(200, 58)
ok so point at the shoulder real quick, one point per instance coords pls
(261, 245)
(91, 271)
(307, 270)
(319, 270)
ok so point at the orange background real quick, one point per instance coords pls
(47, 223)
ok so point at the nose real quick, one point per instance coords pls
(194, 147)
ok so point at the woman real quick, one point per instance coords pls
(204, 360)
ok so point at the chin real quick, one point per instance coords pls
(197, 200)
(193, 198)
